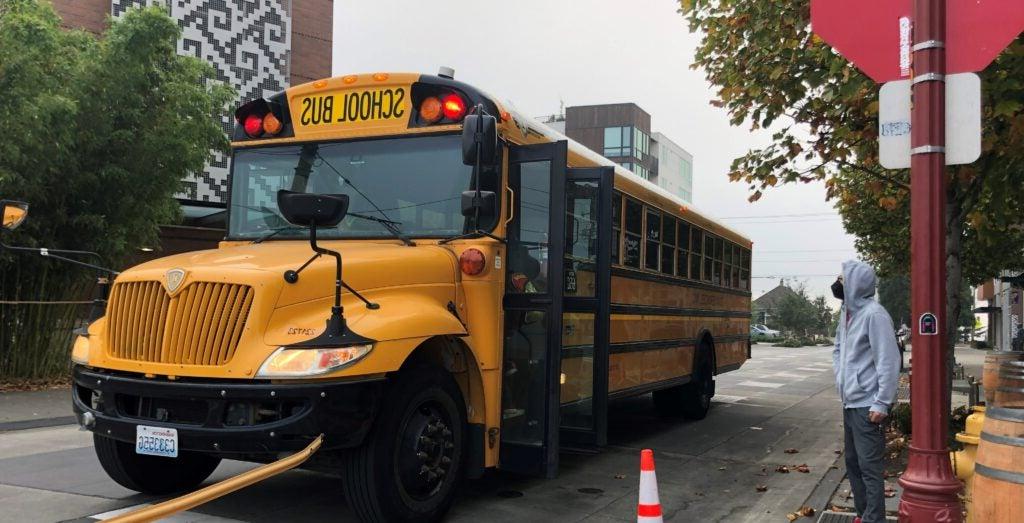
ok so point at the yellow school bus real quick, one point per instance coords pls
(434, 282)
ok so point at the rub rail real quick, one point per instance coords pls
(223, 488)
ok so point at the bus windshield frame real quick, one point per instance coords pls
(416, 182)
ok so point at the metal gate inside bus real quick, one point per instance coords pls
(558, 278)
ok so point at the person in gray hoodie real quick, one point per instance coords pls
(866, 362)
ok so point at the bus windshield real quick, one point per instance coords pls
(416, 183)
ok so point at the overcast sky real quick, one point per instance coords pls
(638, 51)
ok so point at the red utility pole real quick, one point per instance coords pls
(929, 487)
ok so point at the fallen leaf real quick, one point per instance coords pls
(792, 516)
(762, 488)
(620, 476)
(756, 428)
(803, 468)
(838, 451)
(782, 469)
(890, 492)
(721, 468)
(806, 511)
(791, 451)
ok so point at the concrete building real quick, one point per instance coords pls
(622, 133)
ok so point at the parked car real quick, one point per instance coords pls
(763, 330)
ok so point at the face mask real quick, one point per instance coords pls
(837, 290)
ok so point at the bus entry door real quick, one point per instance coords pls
(531, 367)
(585, 306)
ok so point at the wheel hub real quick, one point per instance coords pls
(427, 456)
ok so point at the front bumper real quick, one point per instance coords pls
(243, 418)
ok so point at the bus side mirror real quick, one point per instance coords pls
(14, 213)
(479, 129)
(308, 209)
(486, 201)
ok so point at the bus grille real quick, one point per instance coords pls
(201, 325)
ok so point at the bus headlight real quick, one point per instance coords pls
(80, 350)
(300, 363)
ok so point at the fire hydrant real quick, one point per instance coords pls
(963, 460)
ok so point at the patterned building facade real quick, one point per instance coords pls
(257, 46)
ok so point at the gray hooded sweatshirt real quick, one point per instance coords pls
(866, 360)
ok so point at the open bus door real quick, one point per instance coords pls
(534, 305)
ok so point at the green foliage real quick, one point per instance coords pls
(98, 135)
(772, 72)
(894, 295)
(798, 314)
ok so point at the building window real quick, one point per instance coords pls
(653, 237)
(627, 165)
(684, 250)
(618, 141)
(641, 171)
(632, 237)
(642, 143)
(668, 245)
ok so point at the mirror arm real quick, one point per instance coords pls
(56, 254)
(338, 282)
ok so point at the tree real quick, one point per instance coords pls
(823, 316)
(795, 314)
(894, 295)
(98, 135)
(773, 73)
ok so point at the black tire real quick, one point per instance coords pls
(411, 462)
(692, 400)
(152, 474)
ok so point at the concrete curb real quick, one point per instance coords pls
(821, 496)
(37, 423)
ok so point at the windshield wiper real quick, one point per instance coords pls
(474, 234)
(274, 232)
(387, 222)
(391, 226)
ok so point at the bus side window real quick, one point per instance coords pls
(682, 261)
(653, 237)
(696, 244)
(632, 238)
(616, 227)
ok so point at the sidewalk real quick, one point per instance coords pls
(44, 408)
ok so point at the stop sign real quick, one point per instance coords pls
(867, 32)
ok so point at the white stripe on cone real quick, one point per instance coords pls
(649, 506)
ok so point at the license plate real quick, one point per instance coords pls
(156, 441)
(351, 107)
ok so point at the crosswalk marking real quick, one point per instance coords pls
(762, 384)
(181, 517)
(725, 398)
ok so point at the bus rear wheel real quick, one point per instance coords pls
(692, 400)
(152, 474)
(408, 468)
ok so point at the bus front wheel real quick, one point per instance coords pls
(408, 468)
(152, 474)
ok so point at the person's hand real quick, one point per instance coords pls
(876, 417)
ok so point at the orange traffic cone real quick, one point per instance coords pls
(648, 510)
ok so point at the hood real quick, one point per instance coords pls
(859, 283)
(365, 266)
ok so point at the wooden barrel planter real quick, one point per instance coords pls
(1010, 385)
(990, 372)
(999, 471)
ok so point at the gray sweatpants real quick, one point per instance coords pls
(865, 452)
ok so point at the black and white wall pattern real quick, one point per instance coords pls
(247, 42)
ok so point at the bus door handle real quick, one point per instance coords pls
(511, 204)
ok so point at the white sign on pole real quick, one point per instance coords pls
(963, 121)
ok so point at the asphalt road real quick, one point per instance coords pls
(707, 471)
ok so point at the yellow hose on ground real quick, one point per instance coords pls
(212, 492)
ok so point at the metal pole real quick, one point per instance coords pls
(929, 487)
